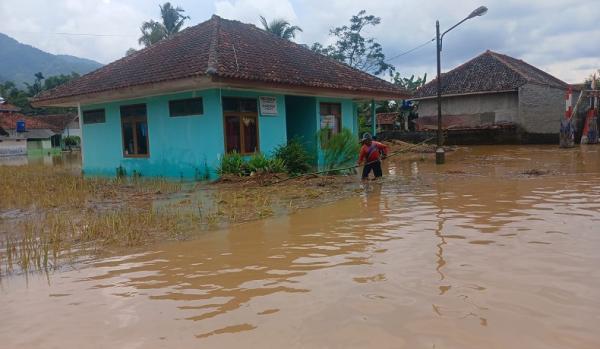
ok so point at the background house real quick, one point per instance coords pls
(37, 135)
(175, 108)
(386, 121)
(494, 89)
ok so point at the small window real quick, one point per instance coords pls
(244, 105)
(186, 107)
(134, 127)
(96, 116)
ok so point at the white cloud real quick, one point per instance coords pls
(249, 10)
(556, 35)
(37, 22)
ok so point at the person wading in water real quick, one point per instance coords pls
(371, 154)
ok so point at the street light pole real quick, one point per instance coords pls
(440, 155)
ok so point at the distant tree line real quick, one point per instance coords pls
(20, 97)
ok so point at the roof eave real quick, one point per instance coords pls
(125, 93)
(304, 90)
(464, 94)
(205, 82)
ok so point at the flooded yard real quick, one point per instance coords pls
(496, 249)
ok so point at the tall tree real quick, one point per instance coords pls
(280, 27)
(352, 48)
(172, 22)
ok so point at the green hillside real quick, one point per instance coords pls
(20, 62)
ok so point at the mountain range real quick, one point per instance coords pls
(19, 62)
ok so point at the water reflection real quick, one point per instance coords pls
(433, 257)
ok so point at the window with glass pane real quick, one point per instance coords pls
(250, 132)
(331, 120)
(241, 125)
(186, 107)
(95, 116)
(134, 126)
(232, 133)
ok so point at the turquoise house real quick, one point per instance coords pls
(174, 108)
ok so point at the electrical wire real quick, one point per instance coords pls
(411, 50)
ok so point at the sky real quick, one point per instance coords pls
(558, 36)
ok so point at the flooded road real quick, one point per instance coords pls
(471, 254)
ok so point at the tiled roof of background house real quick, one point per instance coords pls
(7, 107)
(56, 122)
(489, 72)
(225, 49)
(385, 118)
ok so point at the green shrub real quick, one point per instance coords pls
(294, 156)
(340, 150)
(236, 164)
(277, 165)
(259, 163)
(72, 141)
(232, 163)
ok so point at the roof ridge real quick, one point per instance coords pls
(305, 47)
(506, 60)
(212, 65)
(498, 57)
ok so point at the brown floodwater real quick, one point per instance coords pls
(471, 254)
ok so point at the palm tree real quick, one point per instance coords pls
(280, 27)
(172, 21)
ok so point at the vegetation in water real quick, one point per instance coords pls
(52, 215)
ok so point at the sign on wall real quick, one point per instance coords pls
(268, 105)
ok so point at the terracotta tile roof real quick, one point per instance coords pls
(7, 107)
(385, 118)
(489, 72)
(55, 123)
(223, 48)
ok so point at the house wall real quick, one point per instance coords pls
(541, 108)
(11, 147)
(475, 110)
(178, 146)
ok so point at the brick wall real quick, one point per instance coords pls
(541, 108)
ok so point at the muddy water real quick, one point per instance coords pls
(472, 254)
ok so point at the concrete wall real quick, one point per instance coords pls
(541, 108)
(475, 109)
(12, 147)
(181, 147)
(178, 146)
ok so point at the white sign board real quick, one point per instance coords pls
(268, 105)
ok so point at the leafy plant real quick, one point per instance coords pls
(294, 156)
(280, 27)
(232, 163)
(259, 163)
(72, 141)
(340, 150)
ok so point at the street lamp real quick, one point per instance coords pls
(440, 156)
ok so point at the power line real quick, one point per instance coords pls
(411, 50)
(72, 34)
